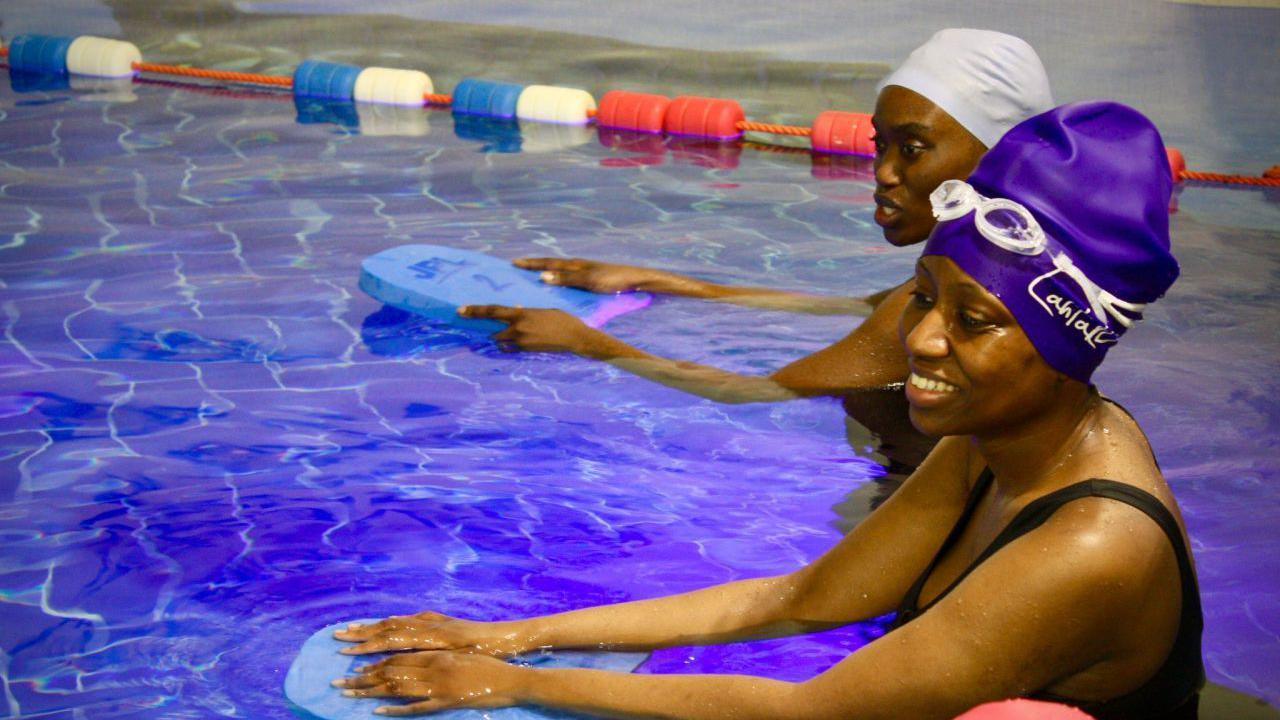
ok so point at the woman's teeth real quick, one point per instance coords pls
(931, 385)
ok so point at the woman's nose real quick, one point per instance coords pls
(887, 174)
(928, 339)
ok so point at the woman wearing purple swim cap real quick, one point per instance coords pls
(1037, 552)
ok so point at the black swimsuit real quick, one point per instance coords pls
(1173, 693)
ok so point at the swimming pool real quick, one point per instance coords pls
(214, 443)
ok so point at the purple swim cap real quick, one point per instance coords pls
(1066, 220)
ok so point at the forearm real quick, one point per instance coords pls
(705, 381)
(701, 380)
(757, 297)
(617, 695)
(746, 609)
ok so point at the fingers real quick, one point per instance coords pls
(362, 681)
(359, 632)
(417, 708)
(501, 313)
(544, 263)
(556, 271)
(390, 642)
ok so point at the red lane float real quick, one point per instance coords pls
(843, 133)
(641, 112)
(713, 118)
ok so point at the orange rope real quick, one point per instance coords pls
(1264, 181)
(747, 125)
(437, 99)
(245, 92)
(235, 77)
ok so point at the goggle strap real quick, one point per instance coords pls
(1104, 304)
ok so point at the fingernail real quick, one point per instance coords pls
(354, 626)
(359, 668)
(346, 651)
(338, 683)
(548, 276)
(464, 309)
(349, 693)
(380, 711)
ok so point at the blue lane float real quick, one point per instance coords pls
(330, 81)
(434, 281)
(40, 54)
(486, 97)
(84, 55)
(319, 663)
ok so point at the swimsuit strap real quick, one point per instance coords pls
(1172, 692)
(910, 605)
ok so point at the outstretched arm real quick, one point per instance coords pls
(869, 357)
(872, 566)
(1023, 621)
(541, 330)
(613, 278)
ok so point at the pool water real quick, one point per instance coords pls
(212, 443)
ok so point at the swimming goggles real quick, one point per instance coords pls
(1009, 225)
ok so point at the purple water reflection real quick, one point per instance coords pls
(213, 443)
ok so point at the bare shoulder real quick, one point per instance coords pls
(1119, 450)
(1107, 539)
(1123, 574)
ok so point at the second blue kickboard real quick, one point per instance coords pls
(434, 281)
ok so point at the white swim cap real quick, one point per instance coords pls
(988, 81)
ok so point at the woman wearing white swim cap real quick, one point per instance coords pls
(935, 116)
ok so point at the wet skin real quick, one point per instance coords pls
(979, 369)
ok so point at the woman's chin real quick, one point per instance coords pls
(928, 423)
(899, 236)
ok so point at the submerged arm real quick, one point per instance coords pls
(613, 278)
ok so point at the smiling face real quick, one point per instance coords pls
(918, 146)
(973, 370)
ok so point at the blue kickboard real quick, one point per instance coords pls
(434, 281)
(319, 663)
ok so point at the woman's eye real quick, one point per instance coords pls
(920, 299)
(973, 321)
